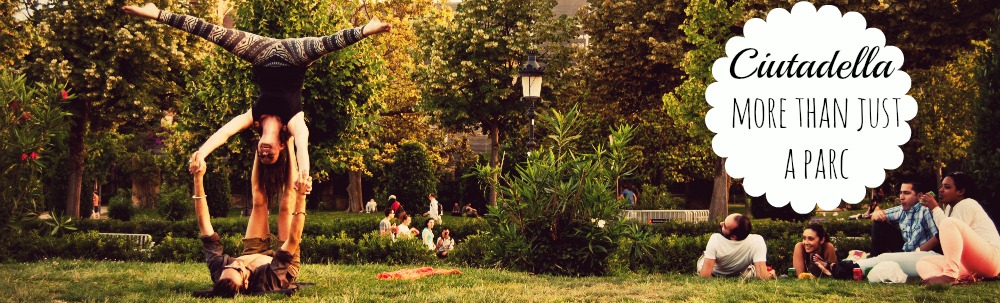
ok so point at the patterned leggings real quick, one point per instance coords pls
(264, 51)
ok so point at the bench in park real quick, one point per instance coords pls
(143, 242)
(660, 216)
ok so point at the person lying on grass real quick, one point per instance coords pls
(734, 251)
(259, 269)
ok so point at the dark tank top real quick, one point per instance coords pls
(280, 91)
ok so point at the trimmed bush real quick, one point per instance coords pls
(121, 207)
(174, 203)
(657, 197)
(330, 249)
(172, 249)
(218, 191)
(410, 177)
(473, 252)
(375, 248)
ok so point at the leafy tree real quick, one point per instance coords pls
(944, 125)
(708, 26)
(399, 122)
(631, 61)
(470, 64)
(16, 36)
(411, 177)
(123, 71)
(984, 153)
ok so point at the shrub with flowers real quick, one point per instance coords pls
(30, 116)
(558, 212)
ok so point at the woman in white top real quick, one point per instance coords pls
(969, 240)
(428, 234)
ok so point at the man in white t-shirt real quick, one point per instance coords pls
(434, 209)
(734, 251)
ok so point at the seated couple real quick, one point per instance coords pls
(734, 251)
(968, 239)
(903, 234)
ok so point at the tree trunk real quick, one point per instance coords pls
(354, 203)
(74, 162)
(494, 133)
(719, 206)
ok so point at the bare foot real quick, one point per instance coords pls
(376, 27)
(940, 280)
(148, 11)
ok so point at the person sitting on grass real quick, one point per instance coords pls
(814, 252)
(469, 211)
(734, 251)
(456, 210)
(445, 243)
(427, 235)
(385, 227)
(258, 269)
(404, 230)
(969, 239)
(907, 227)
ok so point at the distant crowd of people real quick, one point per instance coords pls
(397, 223)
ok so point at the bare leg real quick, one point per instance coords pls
(287, 202)
(965, 252)
(257, 226)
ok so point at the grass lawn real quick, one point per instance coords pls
(91, 281)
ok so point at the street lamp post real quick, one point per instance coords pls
(531, 82)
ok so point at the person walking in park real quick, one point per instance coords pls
(630, 197)
(279, 68)
(433, 208)
(97, 206)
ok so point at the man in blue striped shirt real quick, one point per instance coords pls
(907, 227)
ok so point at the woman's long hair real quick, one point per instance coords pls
(274, 177)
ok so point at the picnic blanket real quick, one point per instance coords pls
(416, 273)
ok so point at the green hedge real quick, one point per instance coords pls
(371, 248)
(188, 228)
(674, 247)
(766, 228)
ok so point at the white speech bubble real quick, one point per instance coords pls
(810, 107)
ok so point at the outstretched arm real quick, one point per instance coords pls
(300, 133)
(220, 136)
(201, 205)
